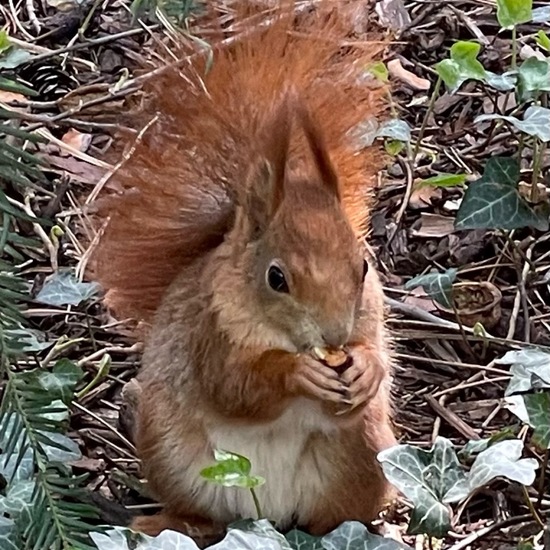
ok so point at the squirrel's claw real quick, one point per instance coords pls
(314, 379)
(363, 378)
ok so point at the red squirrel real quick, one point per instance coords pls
(239, 238)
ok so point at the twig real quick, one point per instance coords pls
(452, 418)
(29, 4)
(481, 533)
(418, 313)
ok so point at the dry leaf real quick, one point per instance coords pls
(398, 71)
(77, 140)
(421, 197)
(7, 97)
(419, 299)
(433, 225)
(393, 14)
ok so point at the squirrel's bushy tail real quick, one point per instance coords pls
(182, 176)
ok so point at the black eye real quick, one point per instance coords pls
(276, 279)
(365, 269)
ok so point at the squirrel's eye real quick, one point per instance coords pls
(276, 279)
(365, 268)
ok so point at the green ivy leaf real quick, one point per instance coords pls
(543, 40)
(533, 77)
(461, 66)
(29, 340)
(514, 12)
(379, 71)
(5, 43)
(494, 202)
(8, 535)
(63, 288)
(61, 381)
(430, 479)
(393, 147)
(530, 369)
(437, 285)
(353, 535)
(395, 129)
(251, 535)
(502, 459)
(533, 409)
(231, 470)
(443, 180)
(536, 122)
(13, 57)
(502, 82)
(299, 540)
(541, 15)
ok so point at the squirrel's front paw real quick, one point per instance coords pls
(313, 379)
(363, 378)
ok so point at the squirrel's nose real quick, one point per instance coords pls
(337, 335)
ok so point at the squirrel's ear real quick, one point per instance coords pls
(266, 184)
(317, 144)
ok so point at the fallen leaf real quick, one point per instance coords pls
(6, 97)
(418, 298)
(421, 197)
(399, 72)
(77, 140)
(433, 225)
(393, 14)
(78, 170)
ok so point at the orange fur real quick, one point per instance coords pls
(181, 181)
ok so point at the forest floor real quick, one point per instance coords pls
(447, 383)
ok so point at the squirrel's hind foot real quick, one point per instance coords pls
(203, 531)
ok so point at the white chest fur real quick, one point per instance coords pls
(295, 476)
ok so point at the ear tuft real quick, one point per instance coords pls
(318, 147)
(266, 180)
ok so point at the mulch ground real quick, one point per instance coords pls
(447, 383)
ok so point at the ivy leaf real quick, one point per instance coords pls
(8, 535)
(231, 470)
(250, 534)
(536, 122)
(353, 535)
(393, 147)
(543, 40)
(61, 289)
(395, 129)
(5, 43)
(29, 340)
(437, 285)
(379, 71)
(533, 77)
(123, 539)
(430, 479)
(61, 381)
(461, 66)
(533, 409)
(18, 498)
(503, 459)
(514, 12)
(443, 180)
(14, 57)
(530, 370)
(541, 15)
(494, 202)
(299, 540)
(502, 82)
